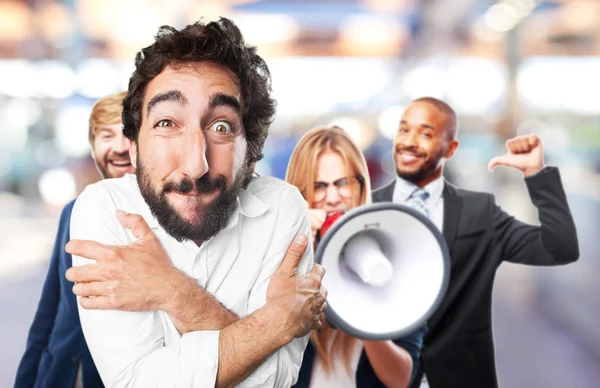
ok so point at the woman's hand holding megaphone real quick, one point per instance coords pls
(317, 218)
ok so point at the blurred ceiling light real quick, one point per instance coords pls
(15, 21)
(54, 21)
(97, 78)
(561, 83)
(501, 17)
(16, 117)
(539, 84)
(125, 69)
(207, 10)
(362, 134)
(476, 86)
(387, 5)
(484, 33)
(388, 121)
(71, 129)
(57, 186)
(582, 86)
(55, 79)
(425, 80)
(264, 28)
(372, 35)
(371, 28)
(522, 7)
(18, 78)
(22, 112)
(132, 22)
(316, 85)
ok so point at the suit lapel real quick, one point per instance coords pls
(385, 194)
(452, 209)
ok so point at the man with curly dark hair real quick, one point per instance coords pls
(194, 272)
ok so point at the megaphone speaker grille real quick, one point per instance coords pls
(387, 270)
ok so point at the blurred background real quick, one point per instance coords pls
(508, 67)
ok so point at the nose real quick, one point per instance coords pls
(121, 144)
(408, 140)
(333, 196)
(193, 160)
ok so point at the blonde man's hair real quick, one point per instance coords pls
(301, 173)
(106, 111)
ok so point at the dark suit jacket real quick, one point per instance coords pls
(365, 375)
(458, 349)
(55, 345)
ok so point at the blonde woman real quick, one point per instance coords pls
(331, 173)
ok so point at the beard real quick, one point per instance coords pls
(430, 165)
(210, 219)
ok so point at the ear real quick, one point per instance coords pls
(452, 146)
(133, 153)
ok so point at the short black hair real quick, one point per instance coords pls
(452, 127)
(221, 42)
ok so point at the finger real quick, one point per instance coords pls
(91, 289)
(498, 161)
(136, 223)
(85, 273)
(512, 145)
(293, 255)
(318, 270)
(523, 145)
(324, 292)
(533, 140)
(91, 250)
(96, 303)
(323, 307)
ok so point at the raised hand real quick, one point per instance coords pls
(136, 277)
(525, 153)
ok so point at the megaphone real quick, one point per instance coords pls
(388, 268)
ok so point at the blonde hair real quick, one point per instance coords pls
(301, 173)
(106, 111)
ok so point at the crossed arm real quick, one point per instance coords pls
(140, 278)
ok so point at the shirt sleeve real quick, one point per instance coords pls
(128, 348)
(282, 367)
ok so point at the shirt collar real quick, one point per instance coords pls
(247, 204)
(403, 189)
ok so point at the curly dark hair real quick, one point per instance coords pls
(223, 43)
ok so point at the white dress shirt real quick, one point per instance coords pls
(434, 204)
(144, 349)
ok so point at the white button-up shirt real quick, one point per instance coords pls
(144, 349)
(434, 204)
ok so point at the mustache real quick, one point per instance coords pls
(411, 150)
(203, 185)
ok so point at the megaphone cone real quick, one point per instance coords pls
(387, 270)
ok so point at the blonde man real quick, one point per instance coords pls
(56, 353)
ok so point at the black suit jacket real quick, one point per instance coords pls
(458, 349)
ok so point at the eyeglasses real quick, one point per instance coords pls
(346, 187)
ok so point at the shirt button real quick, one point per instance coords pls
(74, 360)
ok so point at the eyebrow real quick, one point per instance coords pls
(422, 125)
(170, 96)
(220, 99)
